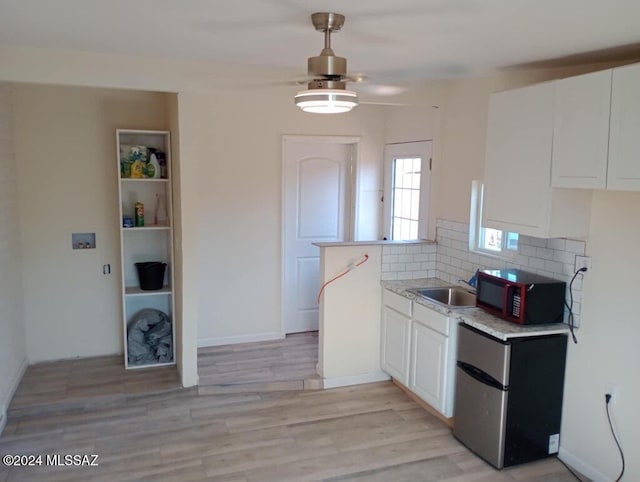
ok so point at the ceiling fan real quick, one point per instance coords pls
(327, 82)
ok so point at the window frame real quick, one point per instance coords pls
(418, 149)
(477, 230)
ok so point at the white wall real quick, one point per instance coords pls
(12, 338)
(186, 146)
(463, 146)
(607, 350)
(67, 182)
(37, 65)
(349, 340)
(232, 147)
(412, 123)
(186, 332)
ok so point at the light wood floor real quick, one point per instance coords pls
(80, 380)
(262, 366)
(365, 433)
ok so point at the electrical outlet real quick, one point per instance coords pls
(612, 390)
(582, 262)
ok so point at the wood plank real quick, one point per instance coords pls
(367, 432)
(423, 404)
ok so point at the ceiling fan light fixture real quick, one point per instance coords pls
(326, 101)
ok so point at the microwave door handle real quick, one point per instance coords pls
(505, 298)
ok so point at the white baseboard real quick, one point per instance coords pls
(6, 401)
(234, 340)
(581, 466)
(336, 382)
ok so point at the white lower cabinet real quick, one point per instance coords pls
(396, 335)
(428, 365)
(419, 349)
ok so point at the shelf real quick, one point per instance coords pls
(142, 179)
(152, 242)
(151, 365)
(150, 227)
(136, 291)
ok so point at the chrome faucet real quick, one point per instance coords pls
(473, 287)
(473, 281)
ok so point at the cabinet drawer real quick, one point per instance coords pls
(397, 302)
(431, 319)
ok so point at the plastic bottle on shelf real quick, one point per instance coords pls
(153, 167)
(161, 216)
(162, 160)
(139, 215)
(137, 169)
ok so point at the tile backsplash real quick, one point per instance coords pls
(410, 261)
(554, 258)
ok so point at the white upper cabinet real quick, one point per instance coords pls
(624, 135)
(518, 196)
(596, 130)
(581, 131)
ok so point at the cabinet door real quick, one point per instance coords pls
(624, 155)
(581, 131)
(396, 332)
(428, 375)
(517, 194)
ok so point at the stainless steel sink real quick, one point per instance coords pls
(450, 296)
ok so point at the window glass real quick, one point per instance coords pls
(406, 198)
(487, 240)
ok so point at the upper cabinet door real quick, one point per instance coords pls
(518, 196)
(581, 131)
(518, 165)
(624, 136)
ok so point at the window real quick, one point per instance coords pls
(406, 190)
(405, 198)
(487, 240)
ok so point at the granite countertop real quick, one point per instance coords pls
(474, 317)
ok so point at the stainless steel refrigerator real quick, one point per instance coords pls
(508, 401)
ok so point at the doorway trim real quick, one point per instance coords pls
(354, 197)
(424, 150)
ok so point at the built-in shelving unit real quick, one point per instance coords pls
(151, 242)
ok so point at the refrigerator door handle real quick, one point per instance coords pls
(481, 376)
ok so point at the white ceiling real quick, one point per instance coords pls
(390, 41)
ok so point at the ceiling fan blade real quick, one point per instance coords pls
(382, 90)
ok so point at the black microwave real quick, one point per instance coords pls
(521, 297)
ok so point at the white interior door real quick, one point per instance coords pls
(316, 208)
